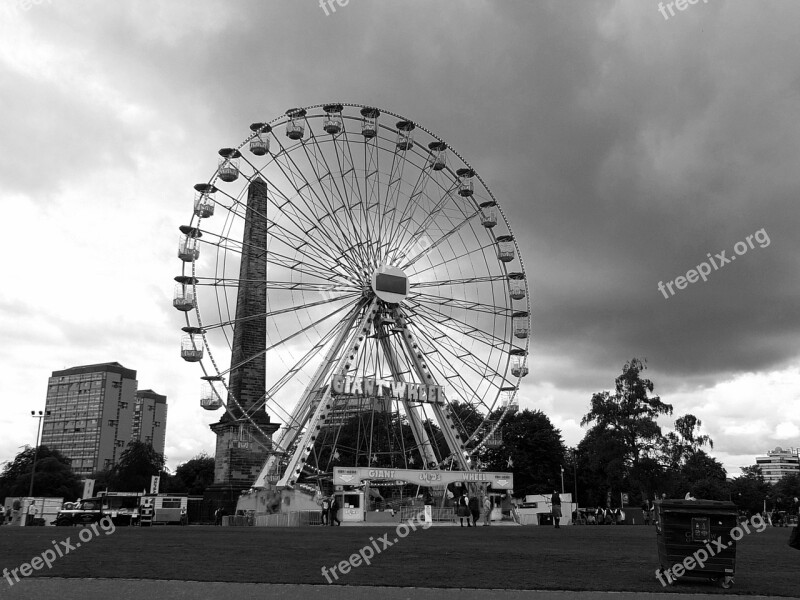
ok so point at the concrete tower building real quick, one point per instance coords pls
(241, 450)
(90, 415)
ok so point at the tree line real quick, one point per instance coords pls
(624, 451)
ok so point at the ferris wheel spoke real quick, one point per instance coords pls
(441, 240)
(271, 284)
(461, 304)
(301, 363)
(444, 261)
(322, 171)
(462, 354)
(473, 331)
(292, 172)
(281, 311)
(456, 282)
(286, 339)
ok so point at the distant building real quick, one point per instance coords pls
(150, 419)
(91, 415)
(778, 463)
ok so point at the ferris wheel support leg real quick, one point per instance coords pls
(303, 448)
(440, 410)
(414, 421)
(307, 404)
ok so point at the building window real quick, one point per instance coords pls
(112, 423)
(123, 405)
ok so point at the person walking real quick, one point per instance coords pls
(487, 510)
(326, 505)
(463, 509)
(475, 510)
(555, 501)
(334, 508)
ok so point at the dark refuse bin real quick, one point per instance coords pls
(700, 530)
(546, 519)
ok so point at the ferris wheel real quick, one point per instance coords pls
(362, 266)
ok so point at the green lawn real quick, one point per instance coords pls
(620, 558)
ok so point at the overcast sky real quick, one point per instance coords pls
(625, 147)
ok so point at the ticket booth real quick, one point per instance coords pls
(351, 506)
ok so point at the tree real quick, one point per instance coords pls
(630, 416)
(195, 475)
(749, 490)
(536, 450)
(137, 464)
(53, 478)
(684, 442)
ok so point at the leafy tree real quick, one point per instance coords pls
(536, 450)
(684, 442)
(629, 415)
(194, 476)
(601, 465)
(137, 464)
(749, 490)
(788, 488)
(53, 478)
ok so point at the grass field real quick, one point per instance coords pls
(571, 558)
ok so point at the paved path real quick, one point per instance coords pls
(46, 588)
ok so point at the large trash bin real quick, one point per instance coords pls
(699, 530)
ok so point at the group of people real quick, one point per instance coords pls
(330, 510)
(470, 508)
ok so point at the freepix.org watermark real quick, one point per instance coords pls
(328, 5)
(679, 4)
(702, 555)
(368, 552)
(59, 550)
(719, 260)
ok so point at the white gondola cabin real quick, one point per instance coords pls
(505, 248)
(369, 122)
(438, 158)
(516, 285)
(192, 344)
(465, 185)
(519, 367)
(509, 399)
(211, 393)
(229, 164)
(295, 126)
(187, 243)
(489, 214)
(332, 122)
(204, 200)
(183, 298)
(405, 135)
(520, 324)
(259, 143)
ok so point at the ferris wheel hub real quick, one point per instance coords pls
(390, 284)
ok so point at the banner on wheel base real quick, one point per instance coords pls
(355, 475)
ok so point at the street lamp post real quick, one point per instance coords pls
(562, 479)
(39, 416)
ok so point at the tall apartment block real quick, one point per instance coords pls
(150, 419)
(91, 415)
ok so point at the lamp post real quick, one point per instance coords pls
(39, 416)
(562, 479)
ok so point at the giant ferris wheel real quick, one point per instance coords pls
(394, 315)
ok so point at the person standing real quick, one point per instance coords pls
(487, 510)
(326, 506)
(555, 501)
(334, 508)
(475, 510)
(463, 509)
